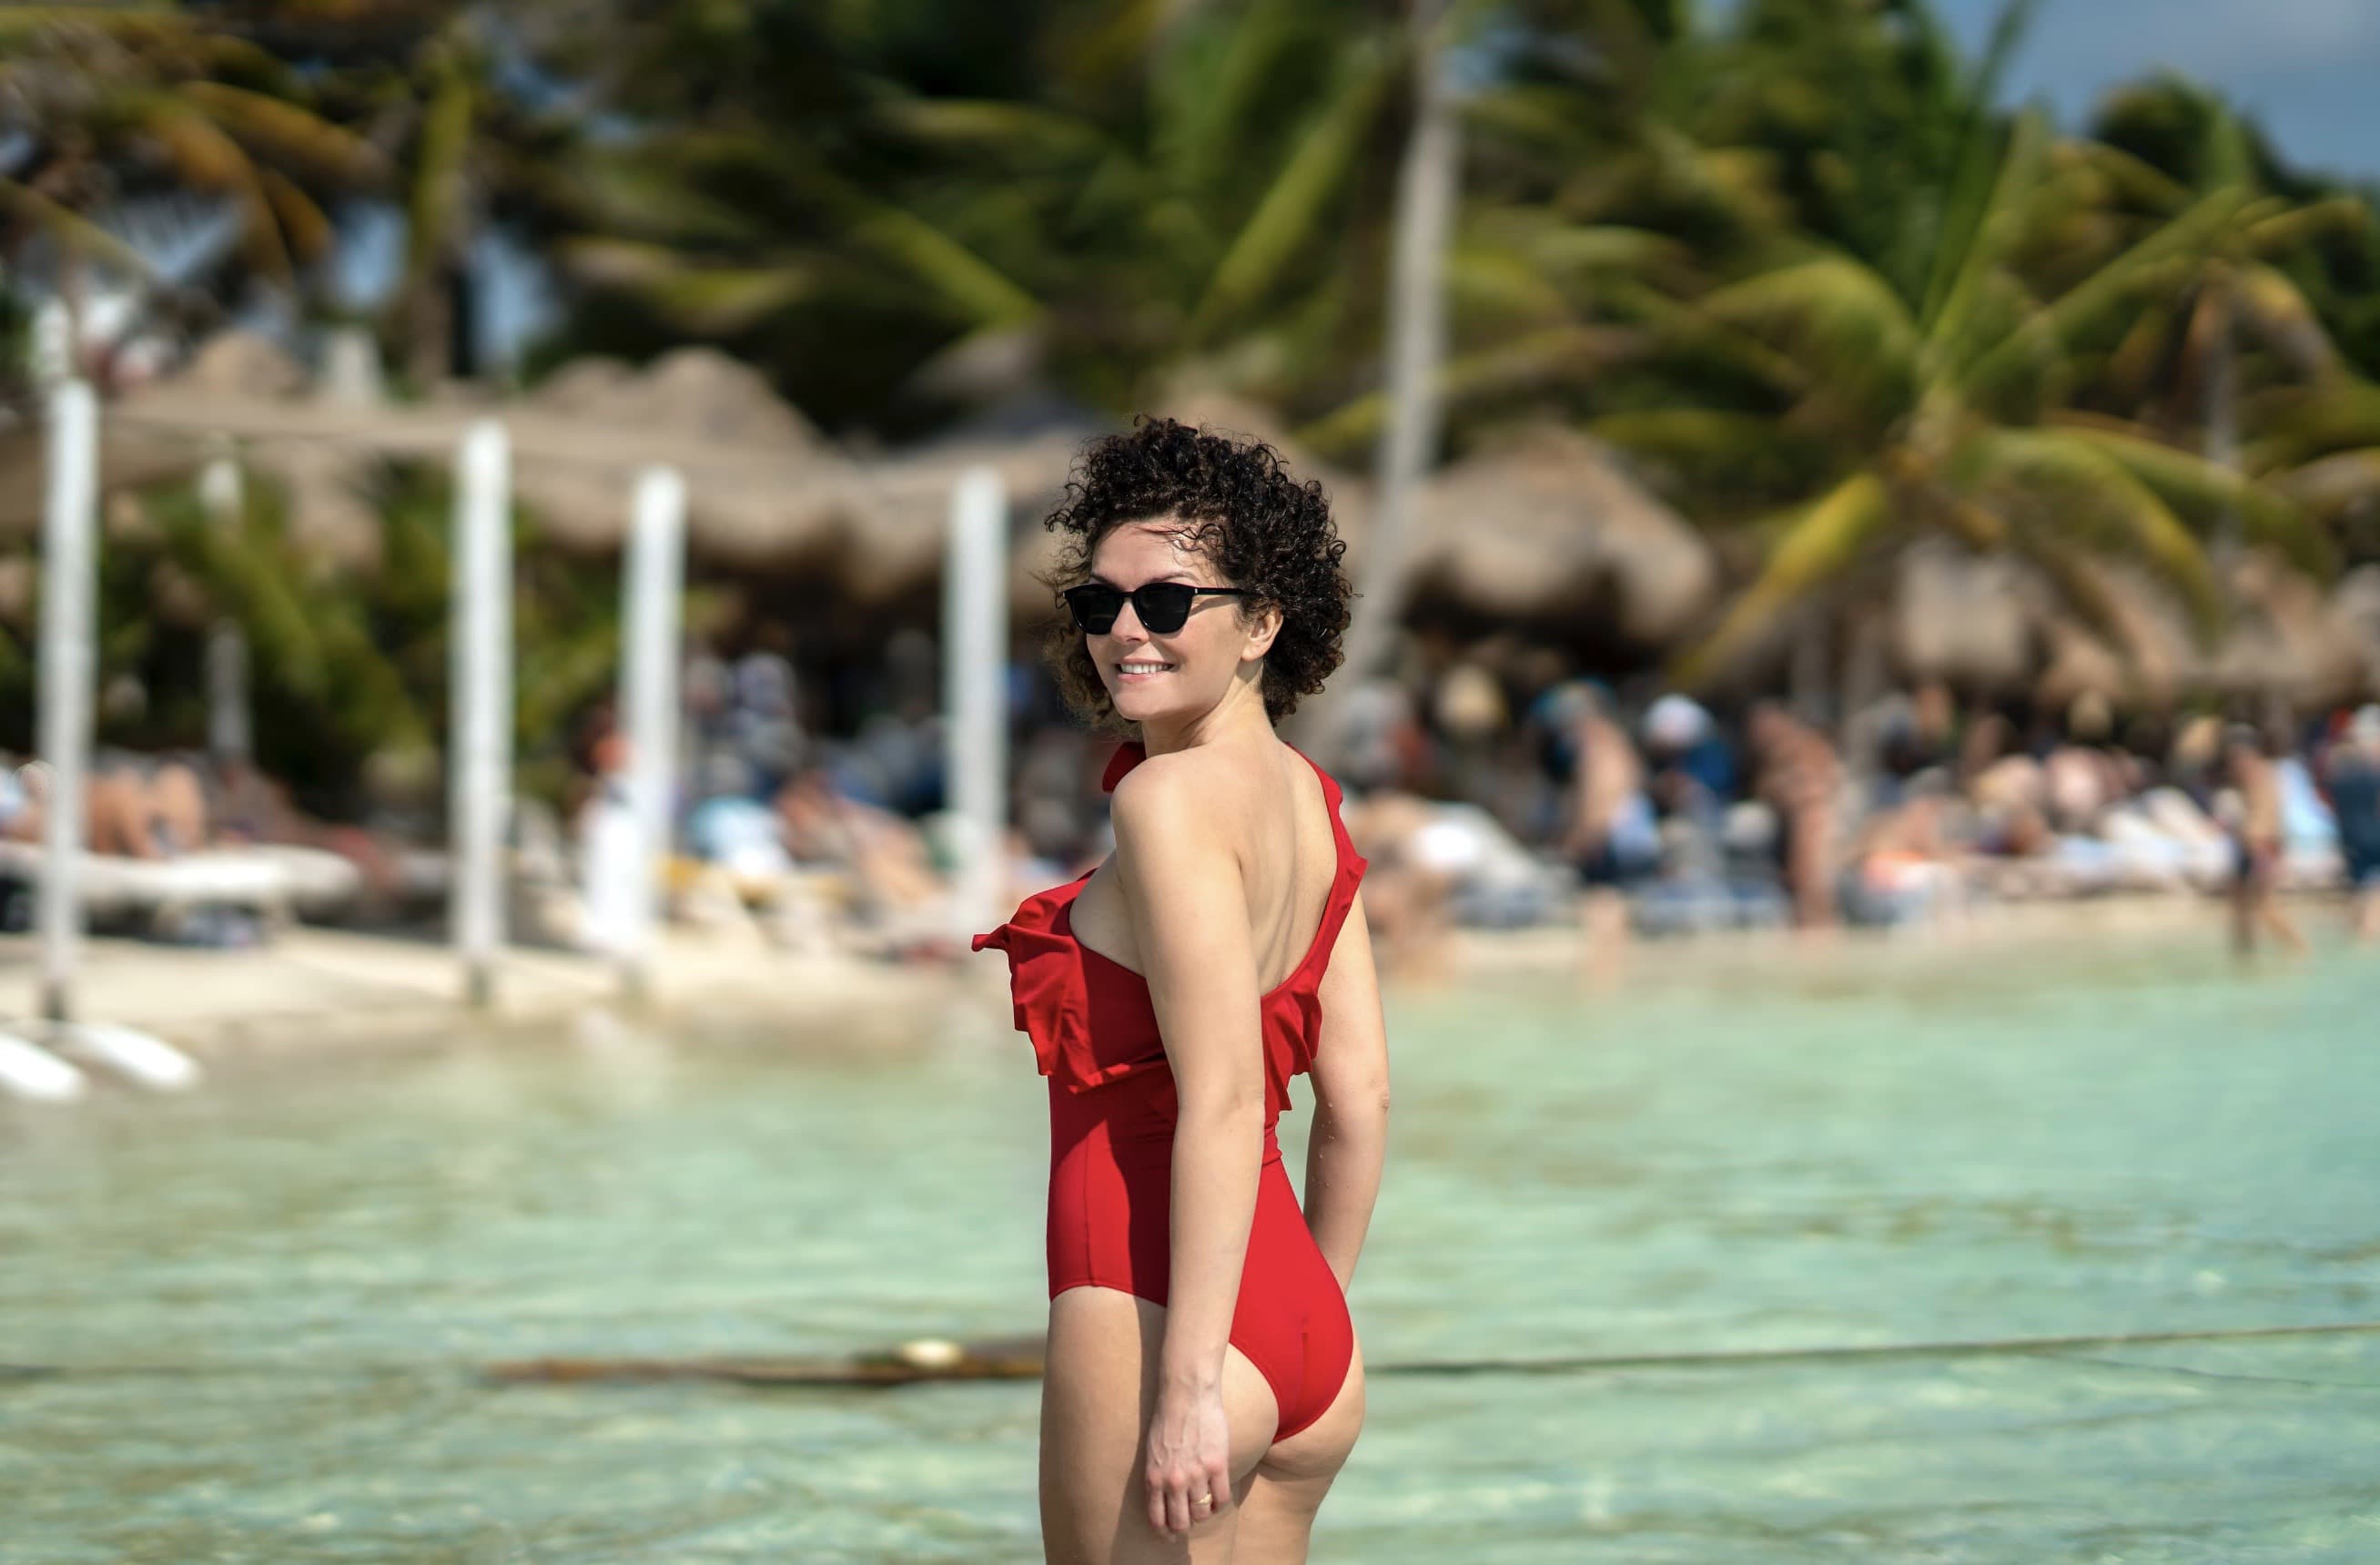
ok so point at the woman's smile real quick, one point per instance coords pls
(1133, 670)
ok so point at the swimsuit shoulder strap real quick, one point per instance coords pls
(1333, 798)
(1351, 864)
(1128, 755)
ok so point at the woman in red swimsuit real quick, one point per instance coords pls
(1204, 1385)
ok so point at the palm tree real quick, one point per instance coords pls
(457, 101)
(1426, 194)
(1899, 406)
(1589, 208)
(1180, 195)
(2171, 354)
(109, 103)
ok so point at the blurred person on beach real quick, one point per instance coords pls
(2254, 822)
(1203, 1386)
(611, 848)
(1468, 706)
(2351, 780)
(1608, 833)
(2004, 788)
(1692, 768)
(2082, 776)
(1381, 742)
(248, 805)
(1797, 775)
(886, 856)
(1408, 898)
(20, 811)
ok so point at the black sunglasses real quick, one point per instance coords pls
(1163, 606)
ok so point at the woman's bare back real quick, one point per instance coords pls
(1288, 857)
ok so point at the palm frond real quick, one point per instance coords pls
(305, 224)
(1207, 92)
(1537, 359)
(2075, 580)
(2076, 493)
(652, 192)
(1835, 317)
(2331, 484)
(1815, 545)
(71, 229)
(1984, 225)
(712, 300)
(1297, 203)
(2284, 318)
(2290, 227)
(1491, 279)
(2206, 492)
(1023, 132)
(976, 290)
(2131, 177)
(2155, 262)
(1711, 449)
(1563, 250)
(286, 134)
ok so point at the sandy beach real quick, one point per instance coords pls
(331, 989)
(323, 989)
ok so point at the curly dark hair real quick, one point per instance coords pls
(1261, 528)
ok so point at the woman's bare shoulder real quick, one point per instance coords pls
(1197, 792)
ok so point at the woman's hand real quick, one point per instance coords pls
(1189, 1473)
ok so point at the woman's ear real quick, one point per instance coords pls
(1264, 627)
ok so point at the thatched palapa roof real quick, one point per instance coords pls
(1991, 621)
(1543, 525)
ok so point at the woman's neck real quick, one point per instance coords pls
(1238, 718)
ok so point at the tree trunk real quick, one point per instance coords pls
(430, 328)
(1426, 199)
(2223, 424)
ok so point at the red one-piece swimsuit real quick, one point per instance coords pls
(1111, 1116)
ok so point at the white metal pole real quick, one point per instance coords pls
(70, 588)
(648, 699)
(229, 735)
(480, 738)
(975, 666)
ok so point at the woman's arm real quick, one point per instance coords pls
(1350, 1101)
(1182, 884)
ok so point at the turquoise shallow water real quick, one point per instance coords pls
(269, 1299)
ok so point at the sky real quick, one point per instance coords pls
(2307, 70)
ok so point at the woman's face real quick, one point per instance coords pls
(1182, 676)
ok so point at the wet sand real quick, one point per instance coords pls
(321, 988)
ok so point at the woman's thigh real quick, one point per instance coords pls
(1277, 1511)
(1097, 1394)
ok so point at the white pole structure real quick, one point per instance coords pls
(975, 696)
(649, 701)
(230, 734)
(69, 659)
(69, 587)
(479, 750)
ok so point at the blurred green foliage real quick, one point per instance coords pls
(1794, 256)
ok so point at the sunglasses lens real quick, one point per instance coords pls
(1163, 606)
(1095, 607)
